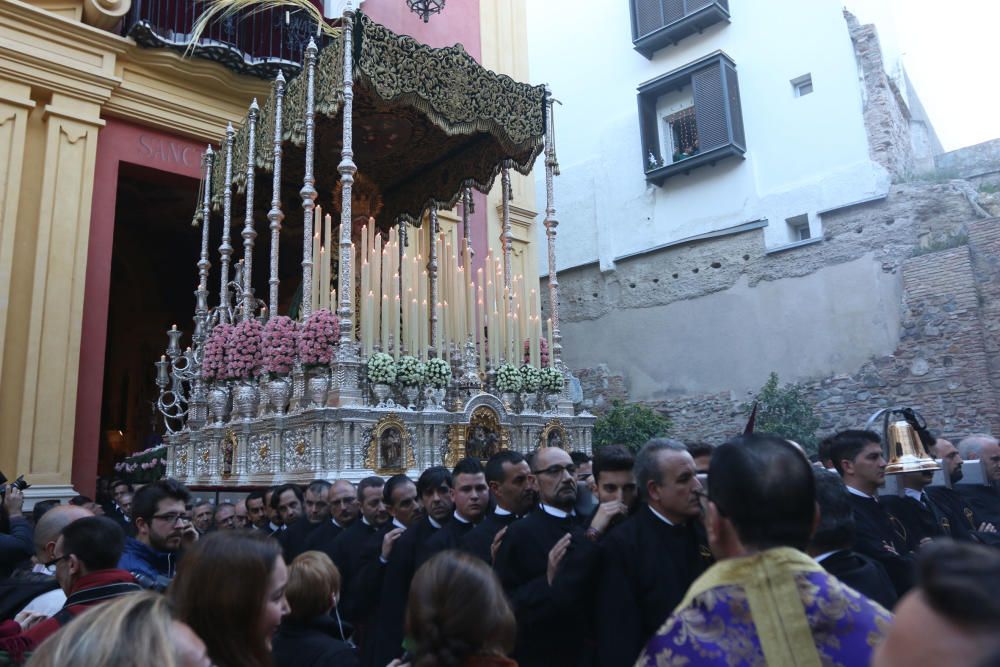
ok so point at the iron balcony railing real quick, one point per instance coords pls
(258, 43)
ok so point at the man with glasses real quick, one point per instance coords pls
(650, 560)
(225, 516)
(85, 556)
(547, 606)
(162, 528)
(341, 511)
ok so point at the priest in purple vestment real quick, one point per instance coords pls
(765, 602)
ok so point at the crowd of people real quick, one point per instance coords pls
(746, 553)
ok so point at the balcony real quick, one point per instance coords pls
(690, 118)
(659, 23)
(256, 43)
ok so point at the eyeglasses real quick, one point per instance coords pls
(52, 562)
(171, 518)
(556, 471)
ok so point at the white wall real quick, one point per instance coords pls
(803, 154)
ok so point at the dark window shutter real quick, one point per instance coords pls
(648, 16)
(695, 5)
(673, 10)
(710, 108)
(735, 110)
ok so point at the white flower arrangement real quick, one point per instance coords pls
(381, 368)
(552, 380)
(437, 372)
(509, 379)
(531, 378)
(409, 371)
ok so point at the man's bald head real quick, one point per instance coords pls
(548, 456)
(553, 468)
(985, 448)
(51, 524)
(343, 502)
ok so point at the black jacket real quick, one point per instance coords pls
(293, 540)
(984, 501)
(863, 575)
(347, 552)
(882, 537)
(920, 521)
(449, 537)
(313, 643)
(479, 540)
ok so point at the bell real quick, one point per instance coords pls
(906, 452)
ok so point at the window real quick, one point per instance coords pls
(691, 117)
(659, 23)
(798, 228)
(802, 85)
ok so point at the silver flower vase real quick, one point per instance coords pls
(246, 399)
(218, 404)
(435, 397)
(382, 392)
(411, 393)
(279, 391)
(509, 399)
(316, 387)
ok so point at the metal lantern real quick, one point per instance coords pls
(424, 8)
(904, 450)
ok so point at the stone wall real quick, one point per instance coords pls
(886, 117)
(971, 161)
(946, 359)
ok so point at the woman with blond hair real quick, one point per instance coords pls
(136, 630)
(457, 615)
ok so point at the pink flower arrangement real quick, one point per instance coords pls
(213, 359)
(543, 347)
(318, 337)
(281, 340)
(244, 356)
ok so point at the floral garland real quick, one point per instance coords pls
(244, 358)
(552, 380)
(318, 337)
(381, 368)
(281, 339)
(543, 347)
(509, 379)
(410, 371)
(437, 372)
(213, 360)
(531, 378)
(145, 466)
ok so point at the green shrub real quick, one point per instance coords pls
(629, 424)
(785, 411)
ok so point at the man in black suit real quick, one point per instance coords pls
(857, 456)
(347, 550)
(513, 488)
(342, 501)
(114, 510)
(256, 511)
(984, 499)
(274, 522)
(830, 545)
(649, 560)
(549, 614)
(317, 513)
(434, 487)
(962, 521)
(471, 497)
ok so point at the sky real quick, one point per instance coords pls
(948, 49)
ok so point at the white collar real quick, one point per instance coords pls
(397, 523)
(41, 568)
(862, 494)
(913, 493)
(660, 516)
(820, 558)
(334, 522)
(556, 512)
(275, 527)
(433, 522)
(461, 518)
(499, 511)
(364, 520)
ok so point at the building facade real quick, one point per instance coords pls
(748, 189)
(103, 127)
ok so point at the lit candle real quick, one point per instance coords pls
(384, 331)
(482, 332)
(396, 340)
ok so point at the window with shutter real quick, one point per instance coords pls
(691, 117)
(659, 23)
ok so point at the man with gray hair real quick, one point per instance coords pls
(649, 560)
(982, 498)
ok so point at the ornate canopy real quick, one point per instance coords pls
(427, 123)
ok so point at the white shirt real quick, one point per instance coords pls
(851, 489)
(397, 523)
(916, 495)
(661, 517)
(459, 517)
(556, 512)
(433, 522)
(334, 522)
(820, 558)
(47, 603)
(499, 511)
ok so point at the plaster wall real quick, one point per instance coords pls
(804, 154)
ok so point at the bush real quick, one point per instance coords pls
(785, 411)
(629, 424)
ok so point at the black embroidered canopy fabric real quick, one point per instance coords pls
(427, 123)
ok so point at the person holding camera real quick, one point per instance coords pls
(16, 533)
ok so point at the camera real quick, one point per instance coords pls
(19, 483)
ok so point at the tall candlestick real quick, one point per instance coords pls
(384, 330)
(396, 339)
(480, 311)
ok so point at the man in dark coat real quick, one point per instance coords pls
(316, 506)
(513, 488)
(347, 551)
(434, 488)
(549, 616)
(342, 501)
(961, 519)
(857, 456)
(830, 545)
(649, 560)
(471, 497)
(984, 499)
